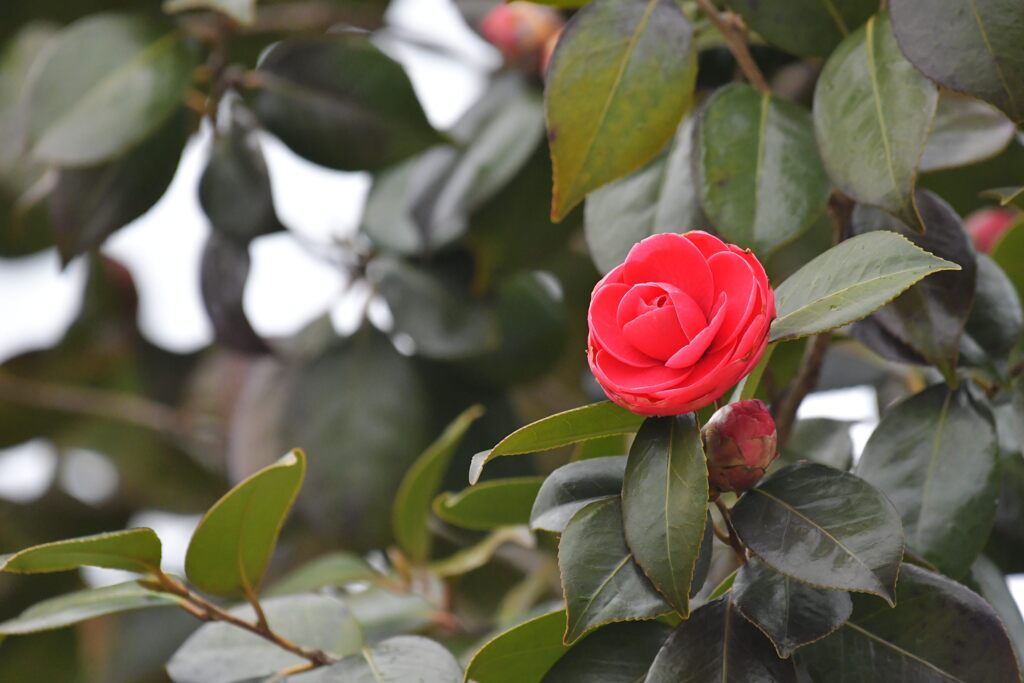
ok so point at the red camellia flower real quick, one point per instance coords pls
(679, 323)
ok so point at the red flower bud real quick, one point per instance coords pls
(520, 31)
(740, 443)
(986, 226)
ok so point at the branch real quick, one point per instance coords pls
(805, 381)
(732, 538)
(730, 28)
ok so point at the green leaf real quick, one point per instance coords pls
(821, 440)
(1009, 255)
(790, 613)
(760, 178)
(660, 197)
(411, 509)
(476, 556)
(619, 83)
(218, 651)
(664, 504)
(333, 569)
(848, 282)
(965, 132)
(574, 486)
(396, 660)
(522, 654)
(799, 522)
(747, 387)
(1007, 196)
(382, 613)
(974, 49)
(232, 545)
(340, 102)
(71, 608)
(490, 504)
(134, 550)
(562, 429)
(934, 456)
(997, 319)
(107, 82)
(717, 644)
(601, 580)
(618, 653)
(872, 114)
(935, 623)
(992, 586)
(242, 11)
(223, 272)
(809, 28)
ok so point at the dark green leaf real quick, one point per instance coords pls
(340, 102)
(490, 504)
(1009, 255)
(717, 645)
(761, 180)
(996, 318)
(848, 282)
(1007, 196)
(790, 613)
(934, 456)
(664, 504)
(134, 550)
(397, 660)
(574, 486)
(872, 114)
(108, 82)
(938, 631)
(992, 586)
(223, 271)
(232, 545)
(602, 582)
(618, 653)
(820, 439)
(809, 28)
(965, 132)
(618, 85)
(522, 654)
(333, 569)
(562, 429)
(972, 47)
(824, 527)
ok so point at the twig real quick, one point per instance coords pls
(806, 379)
(732, 539)
(728, 25)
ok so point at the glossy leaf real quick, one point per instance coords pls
(107, 83)
(340, 102)
(242, 11)
(965, 132)
(820, 439)
(824, 527)
(936, 622)
(849, 282)
(411, 508)
(601, 580)
(395, 660)
(761, 181)
(996, 319)
(619, 83)
(574, 486)
(223, 272)
(664, 504)
(562, 429)
(809, 28)
(133, 550)
(522, 654)
(872, 114)
(974, 49)
(992, 586)
(934, 456)
(72, 608)
(660, 197)
(790, 613)
(618, 653)
(715, 645)
(232, 545)
(332, 569)
(490, 504)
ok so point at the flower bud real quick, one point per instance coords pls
(520, 31)
(986, 226)
(740, 444)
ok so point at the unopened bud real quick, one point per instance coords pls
(986, 226)
(740, 443)
(520, 30)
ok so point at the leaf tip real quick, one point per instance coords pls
(476, 466)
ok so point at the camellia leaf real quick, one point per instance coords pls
(223, 271)
(934, 455)
(71, 608)
(809, 28)
(820, 439)
(965, 132)
(790, 613)
(232, 545)
(396, 660)
(574, 486)
(601, 580)
(108, 82)
(974, 49)
(1009, 255)
(997, 318)
(490, 504)
(915, 638)
(134, 550)
(562, 429)
(411, 510)
(1007, 196)
(798, 522)
(333, 569)
(872, 114)
(620, 80)
(848, 282)
(340, 102)
(522, 654)
(761, 180)
(617, 653)
(664, 504)
(476, 556)
(992, 586)
(717, 644)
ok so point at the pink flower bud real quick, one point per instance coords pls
(986, 226)
(520, 31)
(740, 444)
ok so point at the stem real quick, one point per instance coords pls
(731, 29)
(806, 379)
(732, 539)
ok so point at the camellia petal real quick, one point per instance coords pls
(606, 329)
(622, 377)
(673, 259)
(655, 333)
(733, 276)
(706, 242)
(692, 352)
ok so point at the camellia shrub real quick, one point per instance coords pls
(713, 208)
